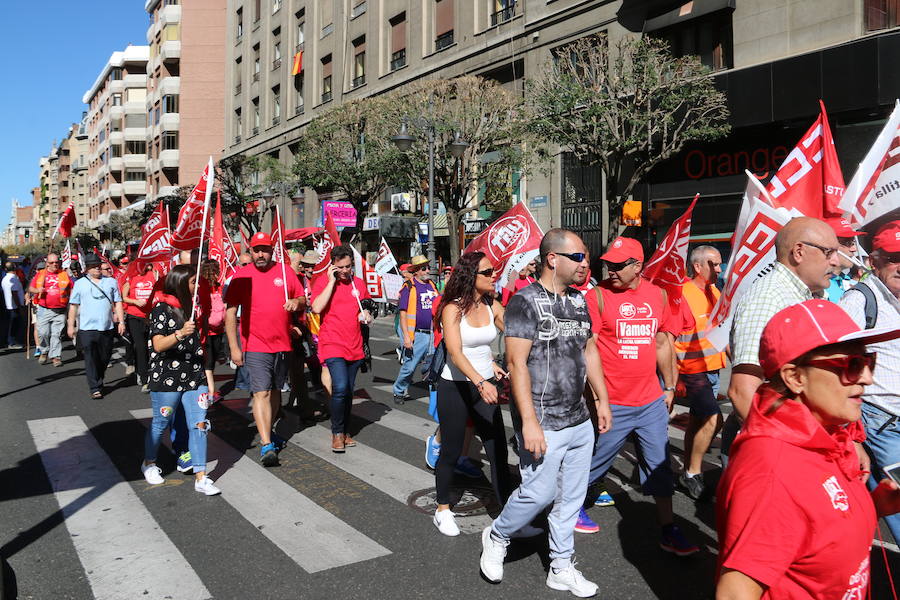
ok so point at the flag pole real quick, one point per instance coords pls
(210, 180)
(283, 251)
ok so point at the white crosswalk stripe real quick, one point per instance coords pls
(119, 543)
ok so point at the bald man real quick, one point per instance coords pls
(51, 288)
(806, 257)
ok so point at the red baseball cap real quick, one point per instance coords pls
(125, 260)
(888, 237)
(803, 327)
(260, 238)
(622, 249)
(842, 227)
(405, 267)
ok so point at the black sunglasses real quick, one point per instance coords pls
(613, 267)
(573, 256)
(486, 272)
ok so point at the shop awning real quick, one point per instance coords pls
(687, 11)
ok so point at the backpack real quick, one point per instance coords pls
(216, 312)
(871, 307)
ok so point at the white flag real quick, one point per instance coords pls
(875, 188)
(385, 261)
(66, 257)
(753, 256)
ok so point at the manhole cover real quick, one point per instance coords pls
(469, 501)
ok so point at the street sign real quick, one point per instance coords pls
(371, 223)
(538, 201)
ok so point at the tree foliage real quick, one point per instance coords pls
(625, 108)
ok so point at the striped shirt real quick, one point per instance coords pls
(885, 389)
(776, 290)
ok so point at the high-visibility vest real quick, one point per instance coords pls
(63, 281)
(696, 354)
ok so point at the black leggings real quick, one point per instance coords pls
(137, 353)
(457, 401)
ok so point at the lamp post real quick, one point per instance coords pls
(404, 142)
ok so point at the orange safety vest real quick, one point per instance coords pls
(696, 354)
(62, 280)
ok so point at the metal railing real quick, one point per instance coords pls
(237, 90)
(299, 47)
(443, 40)
(237, 139)
(256, 131)
(504, 14)
(358, 81)
(276, 63)
(326, 97)
(398, 59)
(276, 121)
(256, 76)
(299, 109)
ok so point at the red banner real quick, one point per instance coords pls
(155, 237)
(279, 251)
(66, 222)
(511, 242)
(331, 239)
(810, 178)
(667, 267)
(221, 249)
(295, 235)
(189, 227)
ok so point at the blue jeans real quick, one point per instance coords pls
(559, 478)
(883, 445)
(195, 403)
(422, 347)
(343, 381)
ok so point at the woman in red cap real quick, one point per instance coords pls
(794, 517)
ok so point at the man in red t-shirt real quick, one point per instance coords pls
(631, 318)
(137, 296)
(343, 302)
(259, 290)
(51, 287)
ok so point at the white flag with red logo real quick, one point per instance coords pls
(328, 240)
(365, 272)
(66, 222)
(386, 261)
(155, 237)
(279, 251)
(221, 249)
(666, 268)
(190, 226)
(752, 256)
(66, 256)
(810, 178)
(875, 188)
(510, 242)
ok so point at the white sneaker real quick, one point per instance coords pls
(205, 486)
(492, 555)
(446, 524)
(152, 474)
(570, 579)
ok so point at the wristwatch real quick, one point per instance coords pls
(669, 389)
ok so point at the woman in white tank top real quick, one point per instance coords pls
(467, 388)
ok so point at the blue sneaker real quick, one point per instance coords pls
(467, 468)
(268, 455)
(585, 524)
(37, 353)
(432, 452)
(604, 499)
(673, 541)
(278, 441)
(184, 462)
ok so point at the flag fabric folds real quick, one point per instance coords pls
(667, 267)
(66, 222)
(295, 235)
(297, 67)
(66, 256)
(155, 237)
(190, 228)
(221, 249)
(328, 240)
(510, 242)
(386, 261)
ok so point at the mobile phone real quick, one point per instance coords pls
(893, 471)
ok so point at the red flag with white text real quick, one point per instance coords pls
(66, 222)
(279, 250)
(155, 237)
(329, 240)
(510, 242)
(189, 227)
(221, 249)
(667, 267)
(810, 177)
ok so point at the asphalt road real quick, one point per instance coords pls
(78, 521)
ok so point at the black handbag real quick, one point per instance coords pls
(436, 366)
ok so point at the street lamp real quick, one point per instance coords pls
(404, 142)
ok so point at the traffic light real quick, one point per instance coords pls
(27, 233)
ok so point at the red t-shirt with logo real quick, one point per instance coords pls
(141, 287)
(339, 334)
(265, 325)
(51, 297)
(627, 340)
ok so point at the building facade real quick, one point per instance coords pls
(73, 173)
(18, 230)
(185, 91)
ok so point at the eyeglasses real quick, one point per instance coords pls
(614, 267)
(828, 252)
(850, 368)
(573, 256)
(52, 262)
(487, 272)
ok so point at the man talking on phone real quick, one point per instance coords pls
(259, 290)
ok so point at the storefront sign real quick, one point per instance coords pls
(700, 165)
(538, 201)
(371, 223)
(342, 212)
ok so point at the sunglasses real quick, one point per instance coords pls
(890, 257)
(828, 252)
(487, 272)
(613, 267)
(850, 368)
(573, 256)
(52, 262)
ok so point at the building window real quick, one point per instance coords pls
(326, 12)
(170, 140)
(276, 6)
(276, 105)
(257, 11)
(504, 10)
(116, 150)
(255, 116)
(359, 61)
(115, 74)
(881, 14)
(134, 120)
(359, 8)
(326, 79)
(134, 175)
(443, 24)
(276, 49)
(238, 125)
(135, 95)
(707, 37)
(170, 103)
(256, 62)
(172, 32)
(117, 99)
(298, 94)
(136, 147)
(301, 24)
(239, 24)
(398, 41)
(115, 124)
(237, 75)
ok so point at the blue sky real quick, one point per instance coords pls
(52, 53)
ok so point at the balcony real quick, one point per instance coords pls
(116, 112)
(135, 134)
(299, 109)
(136, 80)
(169, 85)
(398, 59)
(135, 188)
(115, 190)
(503, 15)
(237, 90)
(443, 41)
(167, 190)
(169, 14)
(237, 140)
(170, 50)
(116, 137)
(168, 159)
(256, 76)
(276, 121)
(170, 121)
(152, 31)
(276, 64)
(326, 97)
(299, 47)
(116, 164)
(254, 131)
(134, 108)
(102, 171)
(135, 161)
(358, 81)
(117, 86)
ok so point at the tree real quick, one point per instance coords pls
(625, 110)
(348, 149)
(487, 116)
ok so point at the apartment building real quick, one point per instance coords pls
(46, 196)
(185, 91)
(18, 230)
(773, 59)
(116, 124)
(73, 172)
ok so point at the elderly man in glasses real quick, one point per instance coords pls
(50, 290)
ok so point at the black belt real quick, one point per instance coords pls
(423, 330)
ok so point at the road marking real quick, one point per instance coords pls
(310, 535)
(124, 552)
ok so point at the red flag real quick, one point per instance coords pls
(295, 235)
(189, 227)
(666, 268)
(810, 178)
(279, 251)
(219, 247)
(134, 268)
(511, 242)
(297, 67)
(155, 238)
(66, 222)
(331, 239)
